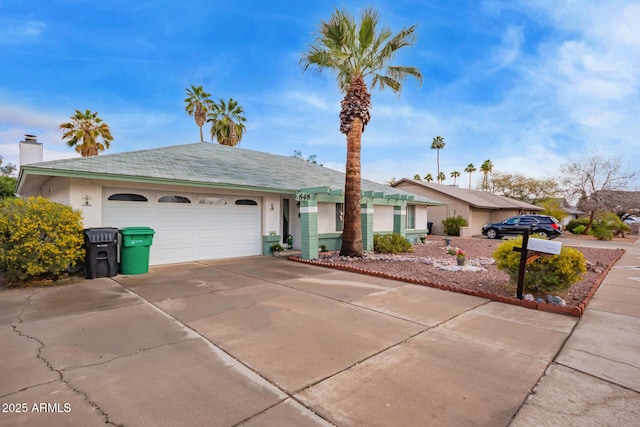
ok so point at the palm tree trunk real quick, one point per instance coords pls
(352, 234)
(438, 161)
(201, 136)
(469, 180)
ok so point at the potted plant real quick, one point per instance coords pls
(276, 248)
(461, 257)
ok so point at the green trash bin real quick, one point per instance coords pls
(134, 249)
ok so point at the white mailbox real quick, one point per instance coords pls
(544, 246)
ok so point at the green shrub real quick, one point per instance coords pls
(601, 230)
(546, 274)
(579, 229)
(38, 238)
(571, 226)
(453, 224)
(391, 244)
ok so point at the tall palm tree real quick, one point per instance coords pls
(198, 105)
(455, 175)
(357, 51)
(227, 122)
(486, 168)
(470, 169)
(84, 132)
(438, 144)
(428, 177)
(441, 177)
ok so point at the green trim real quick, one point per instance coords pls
(141, 179)
(413, 235)
(332, 241)
(309, 228)
(267, 241)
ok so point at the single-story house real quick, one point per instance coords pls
(477, 207)
(208, 201)
(570, 211)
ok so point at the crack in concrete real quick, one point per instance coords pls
(600, 356)
(49, 366)
(142, 350)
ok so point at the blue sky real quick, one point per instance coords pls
(529, 84)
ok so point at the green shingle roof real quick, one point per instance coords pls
(204, 164)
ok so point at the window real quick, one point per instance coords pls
(127, 197)
(212, 201)
(173, 199)
(411, 217)
(339, 216)
(246, 202)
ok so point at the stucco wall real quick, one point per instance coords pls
(58, 190)
(86, 196)
(382, 218)
(326, 217)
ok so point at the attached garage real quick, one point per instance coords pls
(188, 226)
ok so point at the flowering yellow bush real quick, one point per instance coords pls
(548, 273)
(38, 237)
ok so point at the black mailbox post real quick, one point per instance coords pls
(101, 259)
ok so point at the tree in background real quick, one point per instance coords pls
(198, 106)
(455, 175)
(486, 168)
(553, 207)
(428, 177)
(470, 169)
(227, 122)
(588, 177)
(441, 177)
(313, 159)
(357, 51)
(7, 182)
(438, 144)
(519, 187)
(84, 132)
(417, 177)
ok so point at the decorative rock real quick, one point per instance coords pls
(539, 300)
(556, 301)
(529, 297)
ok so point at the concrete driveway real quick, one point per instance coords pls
(266, 342)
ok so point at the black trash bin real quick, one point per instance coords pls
(101, 259)
(429, 226)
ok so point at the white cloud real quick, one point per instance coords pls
(17, 31)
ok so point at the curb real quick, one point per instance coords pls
(533, 305)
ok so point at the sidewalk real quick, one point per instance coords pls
(595, 378)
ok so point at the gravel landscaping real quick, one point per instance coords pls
(429, 262)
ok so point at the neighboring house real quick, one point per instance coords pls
(208, 201)
(571, 212)
(477, 207)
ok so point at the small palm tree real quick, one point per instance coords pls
(198, 105)
(84, 131)
(227, 122)
(441, 177)
(428, 177)
(438, 144)
(486, 168)
(470, 169)
(357, 51)
(417, 177)
(455, 175)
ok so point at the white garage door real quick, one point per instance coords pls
(189, 227)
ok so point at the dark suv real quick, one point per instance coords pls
(541, 224)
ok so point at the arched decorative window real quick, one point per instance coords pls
(246, 202)
(173, 199)
(212, 201)
(128, 197)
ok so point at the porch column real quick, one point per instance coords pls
(366, 219)
(399, 219)
(309, 228)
